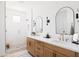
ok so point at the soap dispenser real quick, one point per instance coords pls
(62, 37)
(47, 36)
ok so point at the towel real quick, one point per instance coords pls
(75, 37)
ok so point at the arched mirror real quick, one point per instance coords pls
(65, 21)
(37, 25)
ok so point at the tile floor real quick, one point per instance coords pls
(20, 53)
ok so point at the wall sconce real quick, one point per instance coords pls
(48, 21)
(77, 16)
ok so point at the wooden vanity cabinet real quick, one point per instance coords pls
(42, 49)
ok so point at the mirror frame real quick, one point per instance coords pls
(73, 19)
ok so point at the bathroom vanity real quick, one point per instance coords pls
(43, 47)
(50, 47)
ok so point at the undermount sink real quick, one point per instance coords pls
(58, 40)
(51, 39)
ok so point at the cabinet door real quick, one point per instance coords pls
(39, 49)
(30, 45)
(48, 52)
(77, 54)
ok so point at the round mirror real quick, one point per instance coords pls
(37, 25)
(65, 21)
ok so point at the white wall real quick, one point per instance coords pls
(45, 9)
(2, 28)
(49, 9)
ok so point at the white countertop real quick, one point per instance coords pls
(63, 44)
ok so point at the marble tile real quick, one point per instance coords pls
(21, 53)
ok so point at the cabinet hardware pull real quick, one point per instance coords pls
(29, 43)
